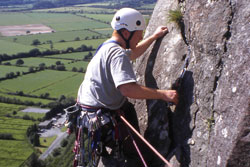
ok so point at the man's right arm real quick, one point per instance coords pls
(135, 91)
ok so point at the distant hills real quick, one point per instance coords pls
(55, 3)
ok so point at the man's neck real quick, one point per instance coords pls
(119, 40)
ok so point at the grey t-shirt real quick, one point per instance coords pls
(107, 70)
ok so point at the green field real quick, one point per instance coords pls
(56, 83)
(67, 28)
(75, 23)
(35, 61)
(45, 143)
(57, 21)
(13, 152)
(54, 37)
(83, 8)
(74, 44)
(7, 47)
(105, 31)
(9, 109)
(8, 69)
(103, 17)
(23, 99)
(7, 19)
(77, 64)
(68, 87)
(48, 61)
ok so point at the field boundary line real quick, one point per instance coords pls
(53, 83)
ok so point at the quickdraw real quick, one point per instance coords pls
(177, 84)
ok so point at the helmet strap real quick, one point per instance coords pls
(126, 40)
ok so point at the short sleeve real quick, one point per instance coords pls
(121, 70)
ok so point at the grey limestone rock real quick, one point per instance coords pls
(211, 124)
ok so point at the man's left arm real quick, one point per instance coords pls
(144, 44)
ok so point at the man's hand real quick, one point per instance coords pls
(160, 31)
(170, 96)
(144, 44)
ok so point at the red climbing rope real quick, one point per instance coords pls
(145, 141)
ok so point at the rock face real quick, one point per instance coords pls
(211, 124)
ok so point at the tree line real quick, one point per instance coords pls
(32, 134)
(9, 100)
(36, 52)
(41, 96)
(6, 136)
(36, 42)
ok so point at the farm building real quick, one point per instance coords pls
(59, 115)
(45, 125)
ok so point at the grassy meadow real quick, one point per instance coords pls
(14, 152)
(74, 44)
(70, 30)
(7, 69)
(8, 47)
(35, 61)
(22, 98)
(48, 81)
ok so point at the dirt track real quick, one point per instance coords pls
(24, 29)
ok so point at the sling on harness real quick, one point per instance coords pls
(94, 129)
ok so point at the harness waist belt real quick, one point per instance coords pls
(89, 108)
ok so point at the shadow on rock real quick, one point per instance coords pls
(169, 131)
(179, 127)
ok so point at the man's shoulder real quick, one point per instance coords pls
(115, 51)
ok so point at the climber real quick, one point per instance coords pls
(110, 79)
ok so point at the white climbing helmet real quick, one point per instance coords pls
(129, 19)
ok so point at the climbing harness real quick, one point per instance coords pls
(94, 129)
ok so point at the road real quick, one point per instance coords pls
(52, 132)
(55, 144)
